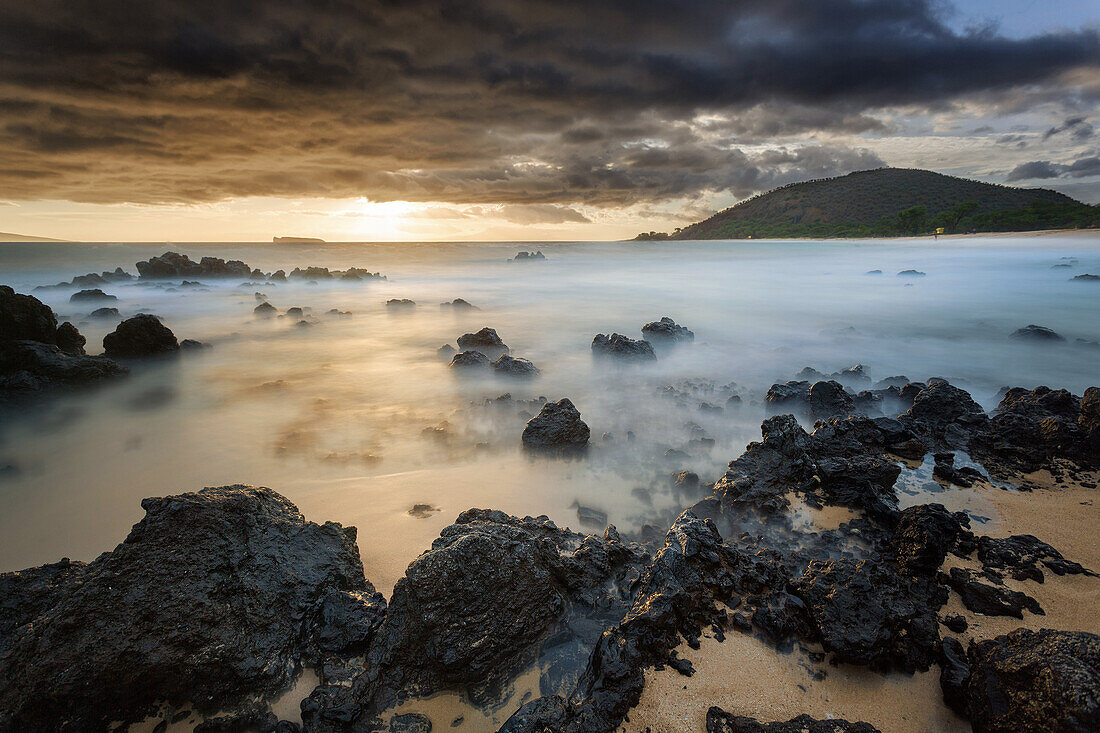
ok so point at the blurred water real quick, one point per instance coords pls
(334, 416)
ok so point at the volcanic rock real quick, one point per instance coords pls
(204, 603)
(486, 341)
(511, 367)
(557, 426)
(666, 331)
(719, 721)
(1035, 680)
(96, 294)
(1036, 333)
(140, 336)
(469, 360)
(172, 265)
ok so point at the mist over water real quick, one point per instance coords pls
(356, 419)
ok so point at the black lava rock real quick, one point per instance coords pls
(486, 341)
(667, 331)
(508, 366)
(557, 426)
(1029, 681)
(719, 721)
(204, 603)
(620, 347)
(1032, 332)
(88, 296)
(140, 336)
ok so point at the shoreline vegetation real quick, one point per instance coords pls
(889, 202)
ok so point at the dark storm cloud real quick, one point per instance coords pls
(1042, 169)
(604, 102)
(1077, 127)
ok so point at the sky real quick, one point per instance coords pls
(411, 120)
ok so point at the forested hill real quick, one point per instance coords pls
(889, 202)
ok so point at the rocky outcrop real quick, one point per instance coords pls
(666, 331)
(719, 721)
(469, 360)
(508, 366)
(866, 613)
(1029, 681)
(486, 341)
(36, 354)
(557, 426)
(265, 310)
(944, 416)
(840, 463)
(1031, 427)
(828, 399)
(30, 366)
(793, 397)
(617, 346)
(525, 256)
(25, 318)
(676, 596)
(209, 601)
(172, 265)
(140, 336)
(494, 594)
(91, 280)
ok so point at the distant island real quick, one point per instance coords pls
(9, 237)
(297, 240)
(889, 202)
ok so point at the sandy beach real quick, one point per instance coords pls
(745, 676)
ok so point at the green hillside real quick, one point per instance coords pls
(890, 202)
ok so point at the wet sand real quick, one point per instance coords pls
(745, 676)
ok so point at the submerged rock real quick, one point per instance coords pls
(1085, 277)
(107, 312)
(620, 347)
(204, 603)
(85, 296)
(1029, 681)
(509, 366)
(486, 341)
(528, 256)
(400, 303)
(1036, 333)
(557, 426)
(911, 273)
(666, 331)
(460, 304)
(469, 360)
(142, 335)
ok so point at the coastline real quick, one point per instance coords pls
(746, 676)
